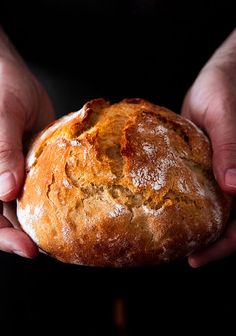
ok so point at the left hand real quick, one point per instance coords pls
(211, 104)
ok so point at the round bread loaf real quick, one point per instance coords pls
(121, 185)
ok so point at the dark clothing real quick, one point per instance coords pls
(116, 49)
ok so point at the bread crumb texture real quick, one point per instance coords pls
(126, 184)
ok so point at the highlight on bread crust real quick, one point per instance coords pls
(116, 185)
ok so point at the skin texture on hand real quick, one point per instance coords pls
(25, 108)
(211, 104)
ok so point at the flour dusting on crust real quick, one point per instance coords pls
(44, 136)
(153, 212)
(144, 176)
(149, 148)
(66, 183)
(117, 211)
(27, 216)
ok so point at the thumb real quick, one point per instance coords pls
(222, 131)
(11, 156)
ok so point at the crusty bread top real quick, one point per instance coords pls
(123, 184)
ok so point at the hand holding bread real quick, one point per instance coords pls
(127, 184)
(25, 108)
(211, 104)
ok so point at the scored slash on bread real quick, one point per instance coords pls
(126, 184)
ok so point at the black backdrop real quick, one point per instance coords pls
(86, 49)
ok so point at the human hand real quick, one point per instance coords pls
(211, 104)
(25, 108)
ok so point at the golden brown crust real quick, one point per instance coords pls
(121, 185)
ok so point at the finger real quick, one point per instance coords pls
(15, 241)
(220, 124)
(11, 157)
(9, 212)
(223, 138)
(44, 115)
(219, 250)
(218, 119)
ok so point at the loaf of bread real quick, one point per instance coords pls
(126, 184)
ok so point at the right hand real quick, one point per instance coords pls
(25, 108)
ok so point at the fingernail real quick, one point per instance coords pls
(193, 263)
(230, 178)
(20, 253)
(7, 183)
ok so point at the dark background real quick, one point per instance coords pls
(81, 50)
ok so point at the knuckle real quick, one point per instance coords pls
(227, 147)
(6, 151)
